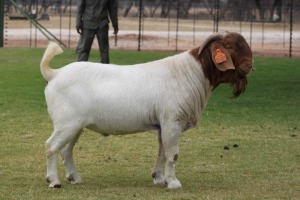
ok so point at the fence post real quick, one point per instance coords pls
(1, 23)
(177, 24)
(216, 15)
(291, 28)
(141, 13)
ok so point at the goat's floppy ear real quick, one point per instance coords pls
(221, 57)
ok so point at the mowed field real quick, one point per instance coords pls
(260, 130)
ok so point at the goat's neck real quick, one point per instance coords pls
(193, 89)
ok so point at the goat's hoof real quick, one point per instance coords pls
(74, 179)
(56, 185)
(159, 181)
(76, 182)
(174, 184)
(53, 184)
(158, 178)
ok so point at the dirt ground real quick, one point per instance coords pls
(270, 39)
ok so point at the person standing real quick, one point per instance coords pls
(93, 20)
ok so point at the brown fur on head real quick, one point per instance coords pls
(237, 65)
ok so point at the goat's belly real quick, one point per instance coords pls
(121, 114)
(119, 127)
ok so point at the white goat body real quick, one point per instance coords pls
(114, 99)
(168, 95)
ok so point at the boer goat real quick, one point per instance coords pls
(167, 95)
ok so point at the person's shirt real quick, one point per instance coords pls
(93, 14)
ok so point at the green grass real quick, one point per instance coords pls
(263, 122)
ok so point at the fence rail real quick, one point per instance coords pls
(270, 26)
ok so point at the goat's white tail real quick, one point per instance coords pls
(52, 50)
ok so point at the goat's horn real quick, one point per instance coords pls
(210, 39)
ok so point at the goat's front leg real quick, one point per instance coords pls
(67, 155)
(170, 140)
(157, 172)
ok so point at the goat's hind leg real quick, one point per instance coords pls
(67, 156)
(52, 176)
(54, 144)
(157, 172)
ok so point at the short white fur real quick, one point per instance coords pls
(167, 95)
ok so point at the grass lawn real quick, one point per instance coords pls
(261, 129)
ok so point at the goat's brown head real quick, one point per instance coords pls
(226, 58)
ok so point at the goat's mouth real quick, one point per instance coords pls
(245, 68)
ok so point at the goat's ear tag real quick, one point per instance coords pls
(220, 57)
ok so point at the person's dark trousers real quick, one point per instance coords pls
(86, 41)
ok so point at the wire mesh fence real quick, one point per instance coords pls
(269, 26)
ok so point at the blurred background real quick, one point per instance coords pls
(271, 27)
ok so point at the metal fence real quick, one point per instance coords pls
(271, 27)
